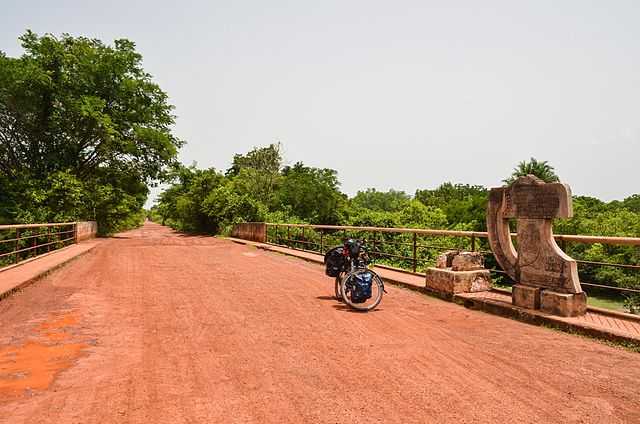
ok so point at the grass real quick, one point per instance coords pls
(606, 303)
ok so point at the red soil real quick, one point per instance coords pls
(157, 327)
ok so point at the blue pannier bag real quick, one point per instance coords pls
(361, 289)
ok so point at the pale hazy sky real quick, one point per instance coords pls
(395, 94)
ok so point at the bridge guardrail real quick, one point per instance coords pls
(409, 246)
(21, 242)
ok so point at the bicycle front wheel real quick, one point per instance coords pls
(350, 293)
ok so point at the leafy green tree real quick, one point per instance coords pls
(258, 172)
(449, 192)
(74, 106)
(462, 204)
(225, 207)
(632, 203)
(388, 201)
(372, 218)
(311, 194)
(182, 204)
(267, 159)
(540, 169)
(417, 215)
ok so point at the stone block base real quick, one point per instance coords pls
(467, 261)
(453, 282)
(563, 304)
(525, 296)
(445, 259)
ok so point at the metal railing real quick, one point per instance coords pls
(411, 250)
(21, 242)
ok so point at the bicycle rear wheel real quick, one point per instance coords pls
(338, 287)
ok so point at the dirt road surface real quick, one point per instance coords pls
(158, 327)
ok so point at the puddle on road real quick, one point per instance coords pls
(35, 364)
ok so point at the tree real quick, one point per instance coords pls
(462, 204)
(417, 215)
(632, 203)
(311, 194)
(257, 172)
(224, 207)
(388, 201)
(182, 204)
(267, 159)
(542, 170)
(80, 107)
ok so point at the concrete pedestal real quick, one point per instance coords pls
(444, 280)
(563, 304)
(526, 296)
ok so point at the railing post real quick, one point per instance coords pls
(75, 233)
(473, 243)
(48, 239)
(288, 236)
(304, 241)
(34, 243)
(321, 243)
(415, 256)
(17, 245)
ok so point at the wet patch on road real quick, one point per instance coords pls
(33, 365)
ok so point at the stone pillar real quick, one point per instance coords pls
(546, 277)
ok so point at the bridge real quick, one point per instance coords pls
(154, 326)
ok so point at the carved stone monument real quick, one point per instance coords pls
(458, 272)
(546, 277)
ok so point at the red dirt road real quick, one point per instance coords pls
(156, 327)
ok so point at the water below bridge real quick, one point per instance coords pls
(157, 327)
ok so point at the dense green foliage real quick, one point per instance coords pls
(594, 217)
(83, 130)
(256, 187)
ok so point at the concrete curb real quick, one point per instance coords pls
(29, 281)
(537, 318)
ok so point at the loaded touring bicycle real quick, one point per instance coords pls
(355, 284)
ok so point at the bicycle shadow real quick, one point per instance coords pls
(346, 308)
(326, 298)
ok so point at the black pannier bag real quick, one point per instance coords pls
(334, 261)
